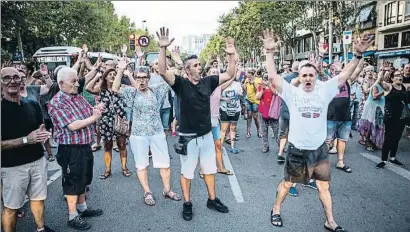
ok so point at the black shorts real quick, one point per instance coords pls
(303, 165)
(226, 118)
(48, 124)
(77, 162)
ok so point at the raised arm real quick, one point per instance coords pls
(122, 66)
(359, 47)
(94, 86)
(386, 86)
(270, 43)
(163, 43)
(231, 57)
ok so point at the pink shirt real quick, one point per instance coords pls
(215, 102)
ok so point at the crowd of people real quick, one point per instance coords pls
(310, 109)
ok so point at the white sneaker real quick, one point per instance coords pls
(333, 150)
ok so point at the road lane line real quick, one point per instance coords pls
(398, 170)
(236, 189)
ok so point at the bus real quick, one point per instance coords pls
(60, 55)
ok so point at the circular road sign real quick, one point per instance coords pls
(143, 41)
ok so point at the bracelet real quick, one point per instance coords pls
(358, 56)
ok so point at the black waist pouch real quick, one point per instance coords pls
(181, 146)
(296, 165)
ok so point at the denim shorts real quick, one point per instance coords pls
(339, 130)
(251, 107)
(216, 132)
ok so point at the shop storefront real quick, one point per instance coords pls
(398, 57)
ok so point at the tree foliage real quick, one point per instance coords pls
(66, 23)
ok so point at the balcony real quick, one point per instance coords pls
(393, 16)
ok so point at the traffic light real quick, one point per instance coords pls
(132, 42)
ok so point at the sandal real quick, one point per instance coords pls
(96, 147)
(369, 148)
(275, 219)
(337, 229)
(248, 135)
(362, 142)
(172, 195)
(126, 172)
(105, 175)
(226, 172)
(149, 199)
(21, 213)
(345, 168)
(259, 135)
(51, 158)
(116, 149)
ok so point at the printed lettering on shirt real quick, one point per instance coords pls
(343, 92)
(309, 106)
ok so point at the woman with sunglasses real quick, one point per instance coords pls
(114, 107)
(147, 131)
(396, 99)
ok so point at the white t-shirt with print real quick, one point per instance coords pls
(308, 112)
(232, 92)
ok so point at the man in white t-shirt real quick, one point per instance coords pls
(307, 154)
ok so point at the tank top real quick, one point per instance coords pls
(394, 105)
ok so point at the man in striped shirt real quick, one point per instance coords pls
(73, 119)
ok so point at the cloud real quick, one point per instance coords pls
(181, 17)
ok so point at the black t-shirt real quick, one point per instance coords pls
(194, 103)
(18, 121)
(81, 82)
(339, 107)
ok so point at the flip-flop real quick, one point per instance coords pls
(226, 172)
(96, 148)
(248, 135)
(116, 149)
(337, 229)
(345, 168)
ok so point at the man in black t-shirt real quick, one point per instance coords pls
(339, 121)
(24, 167)
(195, 119)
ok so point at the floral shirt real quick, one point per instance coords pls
(146, 120)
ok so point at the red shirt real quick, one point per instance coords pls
(64, 109)
(265, 101)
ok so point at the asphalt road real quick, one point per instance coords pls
(365, 200)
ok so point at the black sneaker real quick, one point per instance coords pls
(217, 205)
(396, 162)
(91, 212)
(281, 159)
(78, 224)
(381, 165)
(187, 211)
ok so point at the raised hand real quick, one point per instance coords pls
(122, 64)
(230, 47)
(163, 37)
(270, 40)
(138, 51)
(363, 43)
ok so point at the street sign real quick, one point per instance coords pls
(347, 37)
(143, 41)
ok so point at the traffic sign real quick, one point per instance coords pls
(143, 41)
(347, 37)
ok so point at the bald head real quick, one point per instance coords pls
(295, 66)
(9, 71)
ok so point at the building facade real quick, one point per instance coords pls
(193, 44)
(393, 32)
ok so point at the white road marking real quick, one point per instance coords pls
(398, 170)
(236, 189)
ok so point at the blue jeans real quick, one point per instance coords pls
(164, 113)
(338, 130)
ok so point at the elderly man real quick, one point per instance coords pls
(73, 119)
(308, 104)
(23, 166)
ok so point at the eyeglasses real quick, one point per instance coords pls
(7, 79)
(141, 78)
(196, 65)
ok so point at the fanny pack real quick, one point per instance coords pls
(296, 165)
(181, 146)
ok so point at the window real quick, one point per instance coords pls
(307, 44)
(390, 13)
(405, 39)
(401, 11)
(407, 9)
(300, 46)
(391, 41)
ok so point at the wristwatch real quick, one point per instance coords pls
(358, 56)
(25, 140)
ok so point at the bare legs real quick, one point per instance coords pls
(210, 186)
(255, 117)
(108, 146)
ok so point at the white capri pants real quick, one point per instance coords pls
(203, 148)
(140, 146)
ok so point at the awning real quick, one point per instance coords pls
(349, 56)
(388, 53)
(364, 14)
